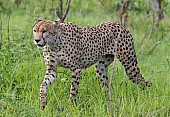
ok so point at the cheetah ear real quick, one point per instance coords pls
(40, 19)
(57, 21)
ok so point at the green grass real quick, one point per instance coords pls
(22, 67)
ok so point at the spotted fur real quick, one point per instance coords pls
(69, 46)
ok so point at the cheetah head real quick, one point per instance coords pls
(44, 32)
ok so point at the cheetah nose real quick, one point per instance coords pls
(36, 40)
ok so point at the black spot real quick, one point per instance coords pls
(135, 75)
(73, 94)
(73, 76)
(49, 69)
(45, 83)
(52, 61)
(51, 66)
(53, 75)
(52, 56)
(75, 82)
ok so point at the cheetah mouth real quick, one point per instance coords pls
(41, 45)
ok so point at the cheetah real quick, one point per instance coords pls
(69, 46)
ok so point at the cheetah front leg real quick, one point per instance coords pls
(74, 85)
(49, 77)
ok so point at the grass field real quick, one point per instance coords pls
(22, 67)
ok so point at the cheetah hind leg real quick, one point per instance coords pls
(102, 69)
(132, 70)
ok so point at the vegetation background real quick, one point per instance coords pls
(22, 67)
